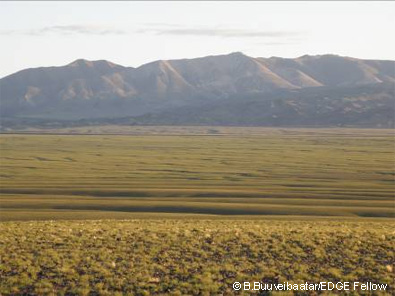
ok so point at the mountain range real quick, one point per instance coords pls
(233, 89)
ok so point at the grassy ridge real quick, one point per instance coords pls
(263, 172)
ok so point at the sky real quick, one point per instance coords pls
(35, 34)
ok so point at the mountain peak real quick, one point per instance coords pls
(238, 56)
(81, 63)
(320, 56)
(91, 64)
(237, 53)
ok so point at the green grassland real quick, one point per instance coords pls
(191, 257)
(237, 171)
(189, 211)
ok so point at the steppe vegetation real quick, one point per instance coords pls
(258, 172)
(189, 213)
(190, 257)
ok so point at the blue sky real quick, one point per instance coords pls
(34, 34)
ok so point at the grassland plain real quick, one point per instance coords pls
(188, 211)
(239, 172)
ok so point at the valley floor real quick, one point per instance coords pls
(193, 210)
(236, 171)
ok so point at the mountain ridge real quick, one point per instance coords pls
(86, 89)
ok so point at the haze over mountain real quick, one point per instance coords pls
(233, 89)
